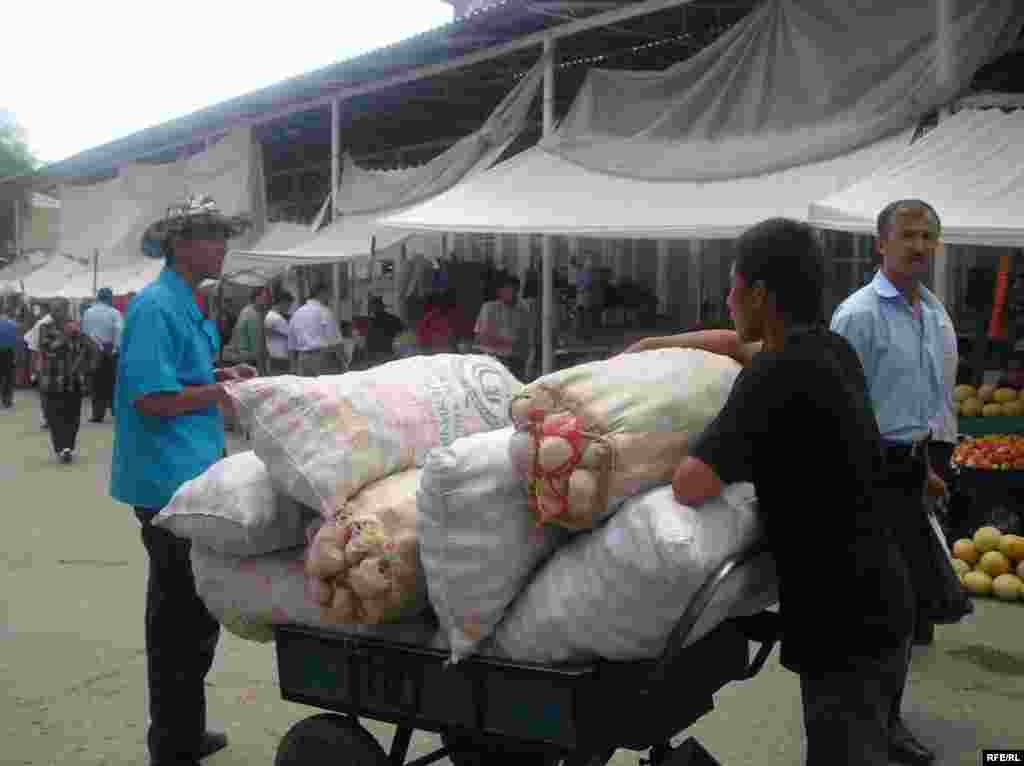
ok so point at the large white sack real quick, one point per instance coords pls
(249, 595)
(233, 508)
(617, 592)
(478, 542)
(323, 439)
(602, 432)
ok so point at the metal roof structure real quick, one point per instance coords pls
(461, 95)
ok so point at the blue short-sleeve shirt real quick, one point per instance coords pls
(166, 345)
(901, 352)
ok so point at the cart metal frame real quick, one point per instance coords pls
(493, 711)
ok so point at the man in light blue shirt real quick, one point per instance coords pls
(896, 326)
(102, 322)
(168, 430)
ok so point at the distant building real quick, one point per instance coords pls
(40, 227)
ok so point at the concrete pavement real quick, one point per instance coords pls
(72, 667)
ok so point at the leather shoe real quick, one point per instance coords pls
(905, 748)
(211, 742)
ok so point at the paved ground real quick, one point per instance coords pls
(72, 674)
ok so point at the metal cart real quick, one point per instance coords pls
(492, 712)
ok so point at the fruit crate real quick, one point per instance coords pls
(986, 426)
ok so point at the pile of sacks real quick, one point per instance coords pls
(431, 485)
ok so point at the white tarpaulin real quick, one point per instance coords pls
(261, 262)
(364, 196)
(537, 192)
(970, 168)
(110, 217)
(796, 81)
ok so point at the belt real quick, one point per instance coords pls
(898, 452)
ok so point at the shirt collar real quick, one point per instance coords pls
(883, 286)
(180, 289)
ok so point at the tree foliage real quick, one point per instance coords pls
(15, 156)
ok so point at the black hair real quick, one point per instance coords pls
(283, 296)
(885, 218)
(506, 280)
(785, 255)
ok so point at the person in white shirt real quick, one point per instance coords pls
(275, 325)
(32, 341)
(503, 327)
(314, 336)
(103, 323)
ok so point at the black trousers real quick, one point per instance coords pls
(6, 376)
(181, 639)
(103, 386)
(64, 414)
(847, 713)
(901, 492)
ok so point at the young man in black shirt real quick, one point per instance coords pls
(800, 426)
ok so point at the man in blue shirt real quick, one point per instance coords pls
(102, 322)
(168, 430)
(8, 352)
(895, 324)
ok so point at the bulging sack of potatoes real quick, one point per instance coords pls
(324, 439)
(594, 435)
(364, 566)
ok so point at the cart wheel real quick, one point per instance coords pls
(468, 751)
(329, 738)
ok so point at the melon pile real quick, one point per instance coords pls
(991, 564)
(988, 401)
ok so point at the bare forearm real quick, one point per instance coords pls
(724, 342)
(190, 399)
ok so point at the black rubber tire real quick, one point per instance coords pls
(469, 751)
(329, 738)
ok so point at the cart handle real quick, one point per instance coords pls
(763, 627)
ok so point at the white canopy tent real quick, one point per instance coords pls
(538, 192)
(970, 168)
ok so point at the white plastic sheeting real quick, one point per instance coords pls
(537, 192)
(795, 82)
(110, 217)
(970, 168)
(366, 192)
(364, 196)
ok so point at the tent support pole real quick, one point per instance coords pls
(662, 290)
(17, 229)
(95, 272)
(547, 276)
(335, 179)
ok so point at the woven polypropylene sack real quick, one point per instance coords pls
(478, 542)
(617, 591)
(324, 439)
(233, 508)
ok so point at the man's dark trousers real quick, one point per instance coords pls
(64, 414)
(6, 376)
(847, 712)
(901, 494)
(181, 638)
(103, 385)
